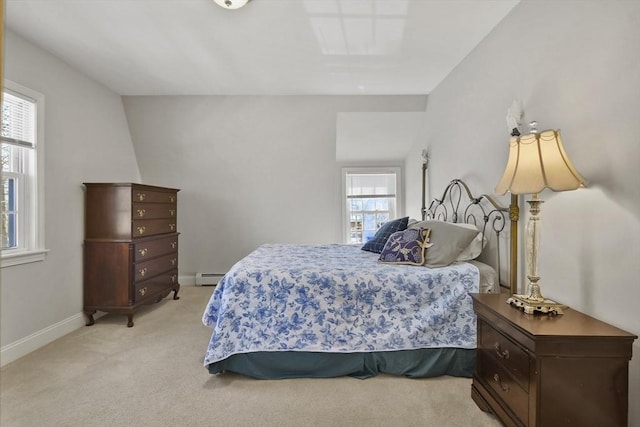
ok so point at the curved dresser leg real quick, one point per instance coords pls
(89, 315)
(130, 322)
(175, 293)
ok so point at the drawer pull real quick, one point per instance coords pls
(173, 278)
(172, 212)
(142, 291)
(173, 262)
(141, 212)
(502, 354)
(142, 271)
(172, 227)
(503, 386)
(143, 252)
(142, 229)
(173, 245)
(172, 199)
(141, 196)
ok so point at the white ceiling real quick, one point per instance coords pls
(272, 47)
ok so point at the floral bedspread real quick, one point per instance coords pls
(338, 298)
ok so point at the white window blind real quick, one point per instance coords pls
(18, 120)
(371, 185)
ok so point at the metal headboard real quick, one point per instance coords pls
(457, 204)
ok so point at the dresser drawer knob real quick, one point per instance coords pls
(173, 262)
(172, 199)
(503, 386)
(172, 227)
(502, 354)
(143, 252)
(142, 271)
(141, 196)
(142, 212)
(142, 291)
(173, 278)
(141, 230)
(172, 212)
(173, 245)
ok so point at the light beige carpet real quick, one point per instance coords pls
(152, 375)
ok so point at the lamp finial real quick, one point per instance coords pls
(425, 157)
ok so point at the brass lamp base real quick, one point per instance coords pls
(533, 305)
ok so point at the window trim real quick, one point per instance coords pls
(397, 170)
(36, 248)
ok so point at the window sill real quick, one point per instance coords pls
(26, 257)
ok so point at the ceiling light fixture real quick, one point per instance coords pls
(231, 4)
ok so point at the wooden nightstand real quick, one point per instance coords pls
(539, 370)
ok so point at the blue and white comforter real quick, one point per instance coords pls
(338, 298)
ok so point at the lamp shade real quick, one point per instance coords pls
(232, 4)
(538, 161)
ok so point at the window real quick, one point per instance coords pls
(371, 198)
(21, 223)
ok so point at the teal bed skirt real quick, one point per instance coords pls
(419, 363)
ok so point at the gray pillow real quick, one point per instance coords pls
(448, 240)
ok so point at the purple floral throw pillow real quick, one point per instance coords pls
(406, 247)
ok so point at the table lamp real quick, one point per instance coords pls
(537, 161)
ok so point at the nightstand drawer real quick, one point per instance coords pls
(512, 357)
(504, 385)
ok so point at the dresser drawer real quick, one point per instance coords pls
(148, 249)
(147, 269)
(495, 375)
(154, 210)
(512, 357)
(139, 195)
(151, 287)
(150, 227)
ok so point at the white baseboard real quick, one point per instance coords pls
(26, 345)
(187, 280)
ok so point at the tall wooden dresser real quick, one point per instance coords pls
(548, 371)
(130, 247)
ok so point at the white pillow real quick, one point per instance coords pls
(474, 249)
(488, 278)
(448, 241)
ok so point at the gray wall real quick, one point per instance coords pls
(576, 66)
(86, 139)
(251, 169)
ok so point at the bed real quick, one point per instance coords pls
(401, 307)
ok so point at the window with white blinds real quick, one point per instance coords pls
(371, 198)
(21, 221)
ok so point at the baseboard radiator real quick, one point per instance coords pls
(208, 279)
